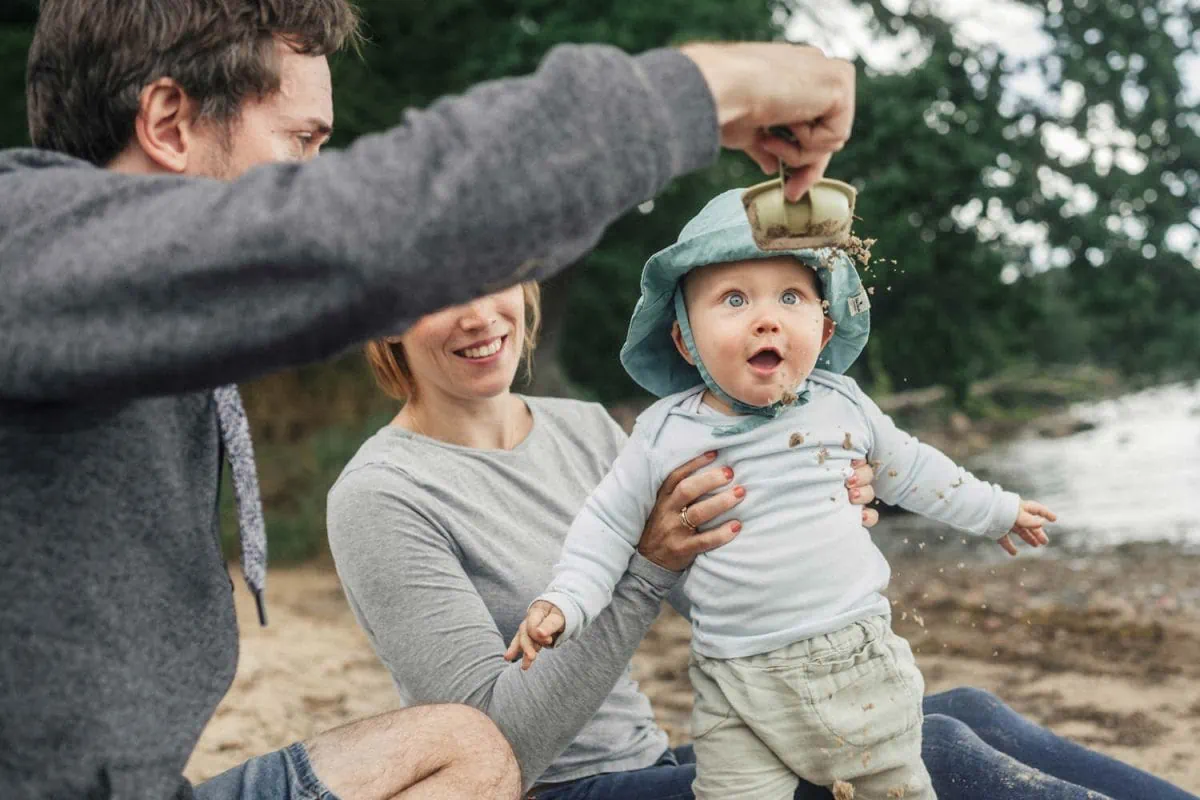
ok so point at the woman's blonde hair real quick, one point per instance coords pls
(390, 366)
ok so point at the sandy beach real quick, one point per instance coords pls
(1104, 650)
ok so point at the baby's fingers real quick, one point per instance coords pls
(1036, 509)
(550, 628)
(1005, 542)
(1035, 537)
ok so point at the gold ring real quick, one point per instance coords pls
(684, 517)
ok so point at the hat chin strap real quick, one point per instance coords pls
(755, 415)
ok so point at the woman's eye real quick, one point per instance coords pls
(735, 300)
(789, 298)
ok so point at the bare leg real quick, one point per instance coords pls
(422, 753)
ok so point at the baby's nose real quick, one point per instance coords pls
(766, 325)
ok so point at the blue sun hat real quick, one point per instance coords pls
(721, 233)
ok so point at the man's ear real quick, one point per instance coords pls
(677, 338)
(165, 128)
(829, 326)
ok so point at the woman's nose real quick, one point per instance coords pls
(477, 315)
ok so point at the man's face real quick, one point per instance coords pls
(290, 125)
(758, 325)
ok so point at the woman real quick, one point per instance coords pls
(447, 523)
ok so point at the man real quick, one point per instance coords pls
(133, 285)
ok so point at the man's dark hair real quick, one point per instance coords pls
(90, 60)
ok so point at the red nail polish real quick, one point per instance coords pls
(739, 491)
(711, 454)
(737, 526)
(854, 493)
(728, 473)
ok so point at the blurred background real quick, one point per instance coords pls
(1028, 169)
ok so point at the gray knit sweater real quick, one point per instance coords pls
(124, 300)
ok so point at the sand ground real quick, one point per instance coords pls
(1104, 650)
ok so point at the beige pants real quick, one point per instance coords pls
(843, 706)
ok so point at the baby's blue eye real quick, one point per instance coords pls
(735, 300)
(789, 298)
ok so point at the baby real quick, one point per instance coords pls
(795, 668)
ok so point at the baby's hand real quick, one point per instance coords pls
(543, 623)
(1029, 526)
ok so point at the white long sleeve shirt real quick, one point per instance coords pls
(803, 564)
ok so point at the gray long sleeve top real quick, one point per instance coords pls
(125, 299)
(440, 550)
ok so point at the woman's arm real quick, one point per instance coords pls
(435, 634)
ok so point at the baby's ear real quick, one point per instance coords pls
(826, 333)
(677, 338)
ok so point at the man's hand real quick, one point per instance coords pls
(759, 85)
(1029, 526)
(542, 626)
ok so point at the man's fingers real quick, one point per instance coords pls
(819, 137)
(791, 154)
(672, 481)
(767, 162)
(1006, 542)
(869, 517)
(802, 179)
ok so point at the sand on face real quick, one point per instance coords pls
(1106, 652)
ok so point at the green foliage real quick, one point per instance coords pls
(946, 162)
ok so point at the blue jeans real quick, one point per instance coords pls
(974, 746)
(282, 775)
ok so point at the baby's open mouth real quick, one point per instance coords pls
(767, 358)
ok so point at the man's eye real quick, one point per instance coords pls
(789, 298)
(735, 300)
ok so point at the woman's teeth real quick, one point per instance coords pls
(485, 351)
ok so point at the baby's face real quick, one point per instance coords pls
(758, 325)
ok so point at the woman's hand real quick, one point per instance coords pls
(667, 538)
(862, 492)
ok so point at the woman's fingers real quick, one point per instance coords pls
(672, 481)
(710, 508)
(869, 517)
(861, 495)
(710, 540)
(864, 474)
(693, 487)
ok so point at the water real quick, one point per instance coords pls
(1134, 478)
